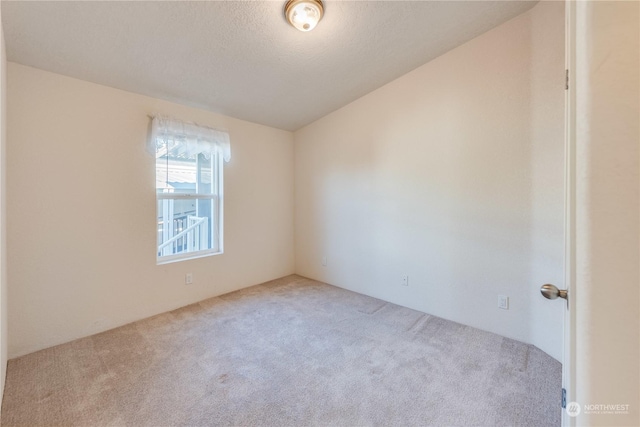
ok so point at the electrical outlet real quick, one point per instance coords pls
(188, 279)
(405, 280)
(324, 261)
(503, 302)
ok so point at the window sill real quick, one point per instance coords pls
(193, 255)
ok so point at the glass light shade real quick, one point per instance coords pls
(304, 14)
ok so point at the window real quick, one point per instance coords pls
(189, 188)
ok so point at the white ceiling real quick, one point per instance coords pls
(241, 58)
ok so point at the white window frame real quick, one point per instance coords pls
(217, 226)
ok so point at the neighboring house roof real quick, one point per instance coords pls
(179, 176)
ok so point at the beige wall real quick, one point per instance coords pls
(452, 175)
(608, 277)
(3, 210)
(81, 234)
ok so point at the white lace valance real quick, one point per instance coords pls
(187, 138)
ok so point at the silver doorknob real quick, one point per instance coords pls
(552, 292)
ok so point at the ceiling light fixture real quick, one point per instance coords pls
(304, 14)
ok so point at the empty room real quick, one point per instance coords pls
(320, 213)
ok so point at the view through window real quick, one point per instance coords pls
(189, 204)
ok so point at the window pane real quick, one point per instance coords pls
(177, 172)
(186, 225)
(204, 174)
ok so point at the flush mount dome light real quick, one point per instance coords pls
(304, 14)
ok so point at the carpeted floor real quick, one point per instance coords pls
(290, 352)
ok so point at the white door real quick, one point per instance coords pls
(568, 362)
(567, 296)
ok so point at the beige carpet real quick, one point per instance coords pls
(290, 352)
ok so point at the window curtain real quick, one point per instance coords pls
(186, 138)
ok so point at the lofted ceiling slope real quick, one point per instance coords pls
(241, 58)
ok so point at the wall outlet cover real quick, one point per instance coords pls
(503, 302)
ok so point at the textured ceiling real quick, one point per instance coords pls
(241, 58)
